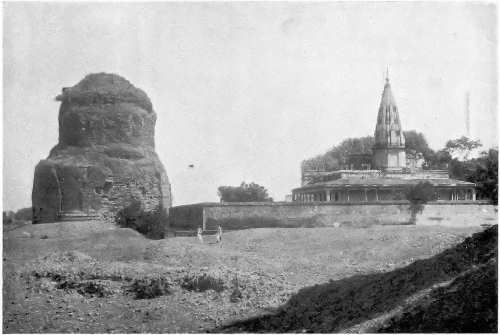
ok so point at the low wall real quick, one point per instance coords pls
(285, 214)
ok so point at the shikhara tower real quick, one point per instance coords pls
(389, 149)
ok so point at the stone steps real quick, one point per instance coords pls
(78, 216)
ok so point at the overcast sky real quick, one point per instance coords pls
(246, 91)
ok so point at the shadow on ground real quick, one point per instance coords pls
(454, 291)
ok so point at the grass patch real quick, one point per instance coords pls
(202, 283)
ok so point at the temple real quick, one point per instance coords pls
(384, 175)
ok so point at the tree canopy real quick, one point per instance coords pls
(462, 146)
(336, 156)
(243, 193)
(417, 142)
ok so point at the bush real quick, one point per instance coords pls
(150, 224)
(150, 288)
(202, 283)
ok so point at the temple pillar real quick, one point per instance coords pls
(347, 195)
(474, 195)
(376, 194)
(366, 195)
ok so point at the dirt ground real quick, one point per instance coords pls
(46, 266)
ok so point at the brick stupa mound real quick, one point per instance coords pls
(105, 157)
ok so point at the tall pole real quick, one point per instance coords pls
(467, 114)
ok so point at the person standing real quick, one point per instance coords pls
(219, 235)
(200, 236)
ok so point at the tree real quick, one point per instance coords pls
(418, 195)
(416, 142)
(8, 217)
(439, 159)
(483, 171)
(24, 214)
(243, 193)
(462, 146)
(485, 174)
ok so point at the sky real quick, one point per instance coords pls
(245, 91)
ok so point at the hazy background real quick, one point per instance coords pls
(245, 91)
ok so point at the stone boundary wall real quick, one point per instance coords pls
(322, 214)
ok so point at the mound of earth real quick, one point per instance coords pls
(454, 291)
(105, 158)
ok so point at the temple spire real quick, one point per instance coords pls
(389, 148)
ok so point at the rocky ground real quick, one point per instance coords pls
(85, 277)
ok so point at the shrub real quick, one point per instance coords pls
(202, 283)
(150, 288)
(151, 224)
(236, 294)
(86, 288)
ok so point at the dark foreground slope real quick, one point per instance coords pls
(468, 304)
(454, 291)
